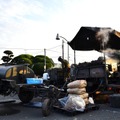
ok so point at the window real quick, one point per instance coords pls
(8, 73)
(14, 71)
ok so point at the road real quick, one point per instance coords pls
(18, 111)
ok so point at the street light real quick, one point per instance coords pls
(58, 38)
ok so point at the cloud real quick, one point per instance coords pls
(14, 16)
(25, 20)
(35, 23)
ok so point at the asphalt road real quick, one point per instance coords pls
(18, 111)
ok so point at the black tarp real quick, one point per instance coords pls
(95, 38)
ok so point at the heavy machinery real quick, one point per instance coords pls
(102, 81)
(98, 74)
(13, 81)
(100, 77)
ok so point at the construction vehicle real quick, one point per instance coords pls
(13, 81)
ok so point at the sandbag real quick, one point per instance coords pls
(86, 100)
(75, 103)
(77, 91)
(84, 95)
(77, 84)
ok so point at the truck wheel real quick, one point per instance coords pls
(46, 107)
(25, 96)
(114, 100)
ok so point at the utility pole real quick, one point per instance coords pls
(44, 60)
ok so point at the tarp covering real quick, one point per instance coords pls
(95, 38)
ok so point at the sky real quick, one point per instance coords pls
(31, 26)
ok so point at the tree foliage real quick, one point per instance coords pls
(23, 59)
(8, 57)
(39, 62)
(38, 68)
(36, 63)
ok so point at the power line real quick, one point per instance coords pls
(53, 51)
(39, 51)
(54, 47)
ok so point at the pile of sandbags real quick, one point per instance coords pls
(77, 98)
(78, 87)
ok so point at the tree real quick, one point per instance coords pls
(8, 57)
(23, 59)
(38, 68)
(36, 63)
(41, 58)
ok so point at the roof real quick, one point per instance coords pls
(5, 68)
